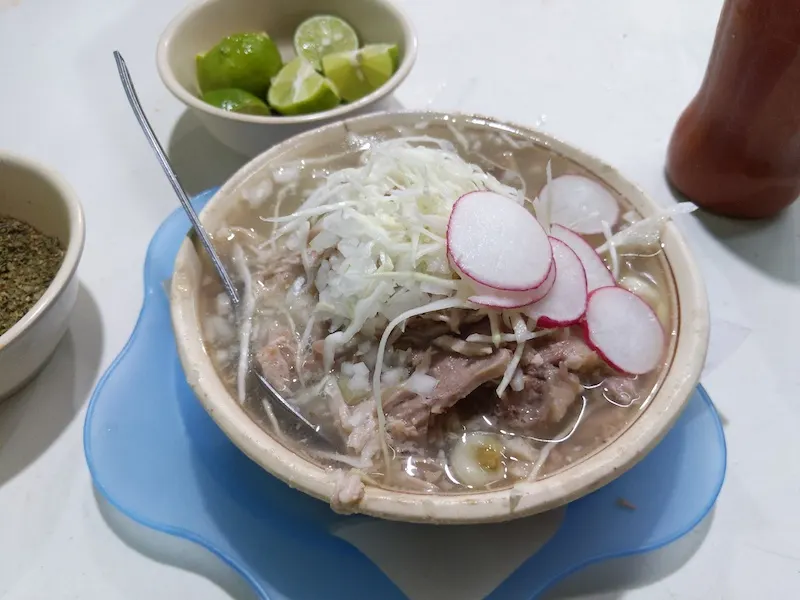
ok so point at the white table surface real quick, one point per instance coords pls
(610, 76)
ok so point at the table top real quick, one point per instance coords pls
(610, 77)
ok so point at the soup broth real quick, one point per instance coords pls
(442, 424)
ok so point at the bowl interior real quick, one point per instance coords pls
(204, 26)
(688, 344)
(28, 196)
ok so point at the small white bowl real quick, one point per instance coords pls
(38, 196)
(676, 382)
(201, 26)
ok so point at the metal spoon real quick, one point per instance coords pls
(274, 396)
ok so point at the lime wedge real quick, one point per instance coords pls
(356, 74)
(298, 90)
(322, 35)
(237, 101)
(379, 62)
(344, 70)
(246, 61)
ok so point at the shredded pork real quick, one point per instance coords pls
(348, 492)
(408, 413)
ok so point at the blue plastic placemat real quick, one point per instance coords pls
(155, 455)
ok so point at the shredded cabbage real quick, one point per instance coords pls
(383, 228)
(542, 204)
(246, 325)
(612, 249)
(646, 234)
(508, 337)
(520, 331)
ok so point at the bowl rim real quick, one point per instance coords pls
(523, 498)
(167, 75)
(72, 253)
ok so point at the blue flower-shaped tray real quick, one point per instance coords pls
(155, 455)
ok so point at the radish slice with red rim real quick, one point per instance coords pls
(498, 243)
(597, 274)
(565, 304)
(580, 203)
(499, 299)
(624, 330)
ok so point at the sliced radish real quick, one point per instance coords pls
(580, 204)
(566, 303)
(597, 274)
(498, 243)
(491, 298)
(624, 330)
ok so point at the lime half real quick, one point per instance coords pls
(356, 74)
(245, 61)
(322, 35)
(237, 101)
(298, 90)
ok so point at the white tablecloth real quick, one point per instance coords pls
(610, 76)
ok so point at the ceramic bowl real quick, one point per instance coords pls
(201, 26)
(676, 382)
(34, 194)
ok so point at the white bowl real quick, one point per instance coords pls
(676, 384)
(201, 26)
(36, 195)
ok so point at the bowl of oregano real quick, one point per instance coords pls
(41, 241)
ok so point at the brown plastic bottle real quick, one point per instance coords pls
(735, 150)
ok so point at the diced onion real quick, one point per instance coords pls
(421, 383)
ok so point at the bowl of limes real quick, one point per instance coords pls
(258, 71)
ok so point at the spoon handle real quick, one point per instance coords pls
(230, 289)
(130, 92)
